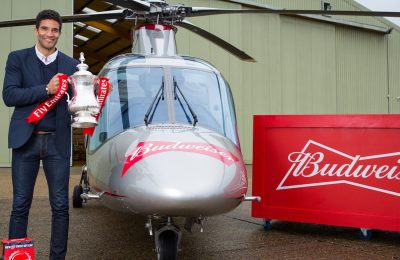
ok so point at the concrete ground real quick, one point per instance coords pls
(97, 232)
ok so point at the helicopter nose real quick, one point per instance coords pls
(184, 184)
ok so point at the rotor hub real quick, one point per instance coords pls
(154, 39)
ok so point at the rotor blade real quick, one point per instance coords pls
(117, 14)
(202, 11)
(135, 5)
(218, 41)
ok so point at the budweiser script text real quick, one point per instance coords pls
(146, 149)
(312, 164)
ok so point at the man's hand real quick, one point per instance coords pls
(52, 86)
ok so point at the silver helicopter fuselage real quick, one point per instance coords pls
(167, 165)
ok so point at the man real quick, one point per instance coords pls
(31, 77)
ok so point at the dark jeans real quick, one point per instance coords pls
(25, 167)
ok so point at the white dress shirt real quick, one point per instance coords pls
(46, 60)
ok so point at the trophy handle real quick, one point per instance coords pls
(96, 81)
(68, 98)
(71, 83)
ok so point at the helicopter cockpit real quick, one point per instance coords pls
(169, 91)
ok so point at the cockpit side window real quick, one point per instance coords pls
(229, 112)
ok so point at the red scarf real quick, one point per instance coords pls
(41, 110)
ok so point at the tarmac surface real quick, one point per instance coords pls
(97, 232)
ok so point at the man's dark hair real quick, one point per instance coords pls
(48, 14)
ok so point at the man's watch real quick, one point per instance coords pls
(47, 91)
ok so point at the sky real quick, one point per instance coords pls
(383, 5)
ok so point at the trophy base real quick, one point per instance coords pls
(83, 119)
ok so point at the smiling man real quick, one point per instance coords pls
(31, 79)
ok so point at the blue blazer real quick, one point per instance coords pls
(24, 90)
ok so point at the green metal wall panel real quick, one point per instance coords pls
(362, 85)
(262, 90)
(23, 37)
(294, 73)
(394, 72)
(5, 44)
(255, 75)
(308, 67)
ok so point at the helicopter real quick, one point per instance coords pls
(166, 145)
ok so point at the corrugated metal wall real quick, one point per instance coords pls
(394, 72)
(5, 13)
(308, 67)
(23, 37)
(361, 68)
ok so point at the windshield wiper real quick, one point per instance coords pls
(176, 87)
(156, 100)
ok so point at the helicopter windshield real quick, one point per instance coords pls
(179, 95)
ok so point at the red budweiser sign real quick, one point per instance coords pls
(317, 164)
(329, 169)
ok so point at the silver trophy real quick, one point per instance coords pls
(84, 104)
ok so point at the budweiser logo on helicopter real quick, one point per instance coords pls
(165, 102)
(146, 149)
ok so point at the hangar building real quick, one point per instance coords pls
(306, 64)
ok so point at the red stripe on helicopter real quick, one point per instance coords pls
(146, 149)
(113, 195)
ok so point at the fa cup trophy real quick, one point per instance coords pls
(84, 104)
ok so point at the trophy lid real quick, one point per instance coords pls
(82, 67)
